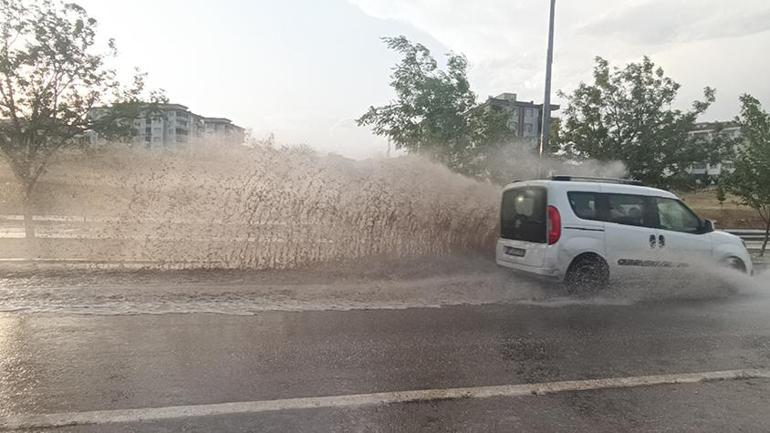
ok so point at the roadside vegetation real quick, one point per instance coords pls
(52, 78)
(750, 181)
(435, 113)
(627, 115)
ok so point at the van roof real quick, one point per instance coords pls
(612, 187)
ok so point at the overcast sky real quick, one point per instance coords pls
(304, 69)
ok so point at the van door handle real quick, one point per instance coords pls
(662, 241)
(652, 241)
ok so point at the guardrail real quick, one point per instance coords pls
(753, 238)
(748, 234)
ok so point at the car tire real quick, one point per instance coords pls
(588, 274)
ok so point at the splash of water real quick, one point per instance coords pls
(268, 209)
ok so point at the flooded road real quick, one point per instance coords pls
(376, 284)
(176, 348)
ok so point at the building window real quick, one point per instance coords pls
(528, 129)
(529, 113)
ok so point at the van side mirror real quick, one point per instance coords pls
(708, 226)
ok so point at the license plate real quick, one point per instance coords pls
(516, 252)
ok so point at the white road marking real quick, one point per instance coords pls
(14, 422)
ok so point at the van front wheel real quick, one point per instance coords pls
(734, 263)
(587, 274)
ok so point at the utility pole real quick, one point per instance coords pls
(546, 123)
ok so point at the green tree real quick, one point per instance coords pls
(488, 149)
(51, 79)
(750, 181)
(626, 114)
(434, 112)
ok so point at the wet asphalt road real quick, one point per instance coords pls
(51, 363)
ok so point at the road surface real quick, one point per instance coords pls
(384, 369)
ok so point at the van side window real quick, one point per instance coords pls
(627, 209)
(584, 204)
(676, 217)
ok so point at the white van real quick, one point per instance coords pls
(587, 231)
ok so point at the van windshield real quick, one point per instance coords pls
(523, 215)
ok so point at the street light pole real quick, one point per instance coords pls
(546, 123)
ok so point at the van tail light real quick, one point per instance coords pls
(554, 225)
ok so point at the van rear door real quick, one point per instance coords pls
(523, 227)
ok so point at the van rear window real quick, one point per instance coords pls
(523, 215)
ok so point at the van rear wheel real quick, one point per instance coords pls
(586, 275)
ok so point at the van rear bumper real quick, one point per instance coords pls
(551, 273)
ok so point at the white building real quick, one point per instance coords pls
(706, 172)
(220, 129)
(175, 126)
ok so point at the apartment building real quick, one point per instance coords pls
(223, 130)
(705, 172)
(525, 118)
(175, 126)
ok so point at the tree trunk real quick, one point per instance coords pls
(721, 211)
(29, 222)
(767, 235)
